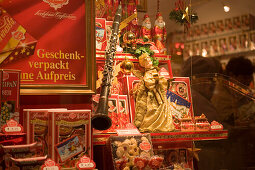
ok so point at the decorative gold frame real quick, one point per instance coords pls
(90, 87)
(142, 6)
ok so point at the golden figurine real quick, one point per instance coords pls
(152, 111)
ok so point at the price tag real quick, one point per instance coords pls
(85, 163)
(51, 168)
(12, 127)
(130, 130)
(50, 165)
(125, 132)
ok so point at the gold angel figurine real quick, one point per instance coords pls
(152, 111)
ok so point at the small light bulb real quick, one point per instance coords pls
(204, 52)
(226, 8)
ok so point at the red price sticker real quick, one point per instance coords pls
(85, 163)
(146, 146)
(50, 165)
(12, 127)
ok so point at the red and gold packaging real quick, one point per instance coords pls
(179, 95)
(216, 126)
(1, 78)
(69, 136)
(35, 123)
(101, 40)
(108, 31)
(118, 111)
(15, 42)
(36, 126)
(20, 151)
(187, 124)
(10, 103)
(201, 123)
(131, 151)
(128, 83)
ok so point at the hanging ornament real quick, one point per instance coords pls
(183, 14)
(186, 14)
(159, 32)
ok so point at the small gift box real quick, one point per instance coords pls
(129, 152)
(201, 123)
(10, 90)
(187, 124)
(216, 125)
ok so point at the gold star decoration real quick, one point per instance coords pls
(193, 152)
(11, 58)
(23, 50)
(186, 14)
(16, 53)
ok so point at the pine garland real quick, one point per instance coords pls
(177, 15)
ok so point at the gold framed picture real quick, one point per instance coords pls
(57, 58)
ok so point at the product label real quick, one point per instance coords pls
(12, 127)
(50, 165)
(85, 163)
(10, 97)
(146, 146)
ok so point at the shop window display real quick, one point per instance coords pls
(144, 95)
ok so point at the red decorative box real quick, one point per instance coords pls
(101, 41)
(126, 149)
(20, 151)
(201, 123)
(69, 136)
(216, 126)
(187, 124)
(179, 94)
(175, 154)
(128, 83)
(12, 139)
(35, 123)
(10, 83)
(108, 31)
(36, 126)
(118, 111)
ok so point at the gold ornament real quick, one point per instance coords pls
(193, 152)
(129, 39)
(186, 14)
(127, 66)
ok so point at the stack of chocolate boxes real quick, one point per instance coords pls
(10, 100)
(64, 134)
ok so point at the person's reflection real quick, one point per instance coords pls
(237, 114)
(202, 88)
(228, 101)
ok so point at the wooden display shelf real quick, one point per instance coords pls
(101, 139)
(189, 136)
(101, 55)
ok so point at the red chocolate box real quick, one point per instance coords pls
(69, 136)
(10, 92)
